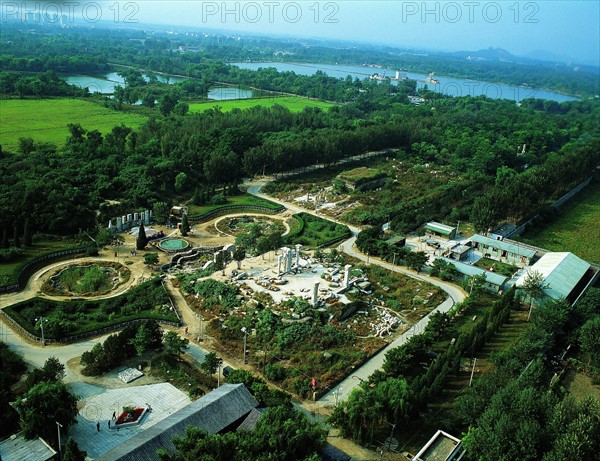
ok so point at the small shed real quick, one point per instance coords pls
(397, 241)
(441, 447)
(440, 230)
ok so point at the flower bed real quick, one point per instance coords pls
(131, 416)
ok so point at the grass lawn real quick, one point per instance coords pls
(240, 200)
(9, 271)
(316, 231)
(499, 267)
(576, 230)
(293, 103)
(47, 119)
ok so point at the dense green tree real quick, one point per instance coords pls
(533, 287)
(16, 239)
(26, 234)
(589, 339)
(174, 344)
(185, 225)
(5, 243)
(160, 212)
(44, 404)
(211, 363)
(150, 258)
(141, 241)
(72, 451)
(239, 255)
(416, 260)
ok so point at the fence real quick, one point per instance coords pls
(33, 265)
(561, 201)
(239, 208)
(70, 339)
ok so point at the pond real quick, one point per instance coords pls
(173, 244)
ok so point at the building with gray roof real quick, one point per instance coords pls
(500, 250)
(565, 275)
(217, 411)
(493, 281)
(441, 447)
(18, 448)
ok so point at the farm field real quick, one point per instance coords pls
(577, 229)
(293, 103)
(45, 120)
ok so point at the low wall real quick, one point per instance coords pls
(37, 263)
(233, 208)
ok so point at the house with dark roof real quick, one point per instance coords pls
(221, 410)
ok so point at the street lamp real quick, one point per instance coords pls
(219, 365)
(337, 394)
(200, 318)
(359, 378)
(41, 320)
(58, 426)
(245, 331)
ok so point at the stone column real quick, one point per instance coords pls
(119, 223)
(136, 217)
(298, 246)
(147, 217)
(279, 258)
(347, 275)
(315, 298)
(129, 218)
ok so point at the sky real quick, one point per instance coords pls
(567, 29)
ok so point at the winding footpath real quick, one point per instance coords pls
(455, 295)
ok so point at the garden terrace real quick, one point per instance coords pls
(70, 320)
(91, 279)
(244, 203)
(313, 231)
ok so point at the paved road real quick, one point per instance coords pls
(455, 295)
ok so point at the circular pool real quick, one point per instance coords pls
(173, 244)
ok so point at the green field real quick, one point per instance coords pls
(576, 230)
(47, 119)
(293, 103)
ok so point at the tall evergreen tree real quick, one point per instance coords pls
(5, 238)
(142, 240)
(16, 240)
(26, 234)
(185, 225)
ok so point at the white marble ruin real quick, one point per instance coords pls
(315, 296)
(130, 220)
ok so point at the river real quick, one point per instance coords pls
(447, 85)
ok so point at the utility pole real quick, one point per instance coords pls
(245, 331)
(472, 371)
(58, 426)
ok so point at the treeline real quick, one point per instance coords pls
(519, 410)
(45, 84)
(518, 196)
(399, 392)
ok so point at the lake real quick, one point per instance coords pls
(105, 83)
(447, 85)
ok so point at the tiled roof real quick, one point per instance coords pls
(213, 413)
